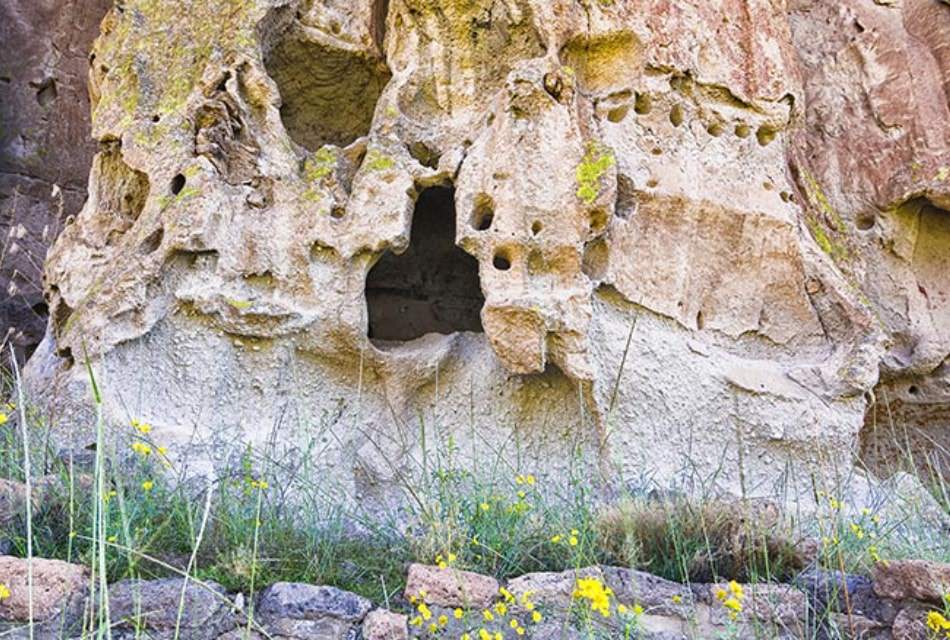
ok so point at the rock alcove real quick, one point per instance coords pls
(433, 286)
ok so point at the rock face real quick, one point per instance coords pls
(721, 226)
(45, 146)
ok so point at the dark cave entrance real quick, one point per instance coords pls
(433, 286)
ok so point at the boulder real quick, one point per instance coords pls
(450, 587)
(912, 579)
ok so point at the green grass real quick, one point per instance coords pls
(268, 522)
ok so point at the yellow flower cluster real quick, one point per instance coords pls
(4, 591)
(571, 540)
(596, 593)
(259, 484)
(444, 562)
(490, 619)
(525, 479)
(731, 599)
(3, 418)
(937, 623)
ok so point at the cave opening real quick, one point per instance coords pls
(433, 286)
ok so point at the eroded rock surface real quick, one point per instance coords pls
(45, 147)
(718, 226)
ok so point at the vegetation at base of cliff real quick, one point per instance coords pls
(274, 517)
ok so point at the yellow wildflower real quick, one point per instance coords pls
(488, 615)
(465, 636)
(529, 480)
(501, 609)
(621, 608)
(141, 448)
(424, 611)
(458, 614)
(637, 609)
(485, 506)
(513, 624)
(555, 539)
(677, 599)
(4, 591)
(147, 485)
(937, 622)
(443, 620)
(3, 418)
(572, 541)
(594, 591)
(736, 589)
(721, 594)
(536, 617)
(483, 635)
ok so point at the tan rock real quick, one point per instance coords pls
(911, 624)
(490, 202)
(381, 624)
(56, 586)
(450, 587)
(912, 579)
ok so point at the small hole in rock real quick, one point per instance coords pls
(501, 261)
(626, 198)
(153, 241)
(433, 286)
(768, 186)
(643, 104)
(156, 118)
(46, 92)
(700, 321)
(484, 213)
(656, 151)
(785, 196)
(865, 222)
(618, 114)
(743, 130)
(715, 129)
(652, 183)
(676, 115)
(337, 213)
(765, 135)
(913, 390)
(178, 183)
(597, 220)
(536, 227)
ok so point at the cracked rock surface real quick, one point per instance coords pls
(711, 230)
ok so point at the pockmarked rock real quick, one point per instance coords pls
(377, 210)
(381, 624)
(912, 579)
(450, 587)
(59, 589)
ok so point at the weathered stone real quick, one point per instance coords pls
(553, 589)
(45, 147)
(381, 624)
(782, 607)
(428, 197)
(912, 579)
(307, 602)
(856, 627)
(58, 593)
(832, 591)
(154, 605)
(450, 587)
(911, 624)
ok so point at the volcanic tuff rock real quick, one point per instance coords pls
(720, 226)
(45, 146)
